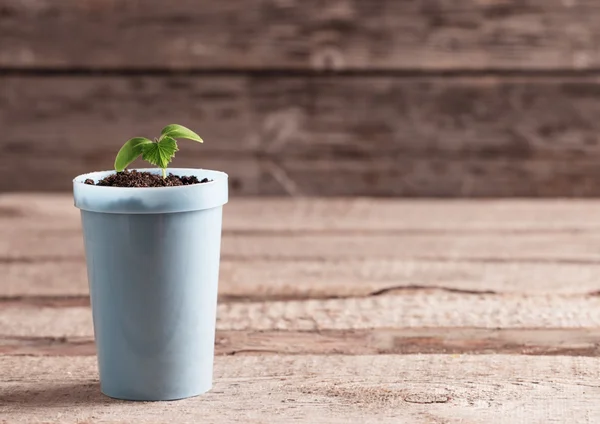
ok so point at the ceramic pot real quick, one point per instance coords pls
(153, 266)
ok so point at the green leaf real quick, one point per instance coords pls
(179, 131)
(161, 153)
(130, 152)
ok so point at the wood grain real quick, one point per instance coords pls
(64, 283)
(376, 136)
(46, 230)
(383, 341)
(320, 319)
(333, 389)
(410, 309)
(300, 35)
(332, 216)
(419, 309)
(20, 246)
(342, 248)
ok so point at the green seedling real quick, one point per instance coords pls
(158, 152)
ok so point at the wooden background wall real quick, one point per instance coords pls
(310, 97)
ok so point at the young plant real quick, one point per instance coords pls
(158, 152)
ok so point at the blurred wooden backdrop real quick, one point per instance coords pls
(310, 97)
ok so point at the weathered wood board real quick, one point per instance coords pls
(374, 341)
(336, 216)
(421, 309)
(334, 389)
(311, 330)
(485, 247)
(303, 35)
(566, 248)
(64, 282)
(376, 136)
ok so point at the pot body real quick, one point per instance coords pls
(153, 269)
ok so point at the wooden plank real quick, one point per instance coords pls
(332, 389)
(18, 246)
(402, 175)
(411, 309)
(566, 248)
(382, 341)
(501, 246)
(331, 216)
(416, 309)
(304, 35)
(317, 135)
(64, 283)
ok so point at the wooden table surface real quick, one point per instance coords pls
(334, 311)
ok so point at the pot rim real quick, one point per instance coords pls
(152, 200)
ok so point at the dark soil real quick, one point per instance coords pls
(145, 179)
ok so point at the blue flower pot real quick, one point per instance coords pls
(153, 267)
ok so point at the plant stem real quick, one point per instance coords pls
(164, 173)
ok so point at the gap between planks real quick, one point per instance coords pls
(69, 301)
(402, 341)
(84, 300)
